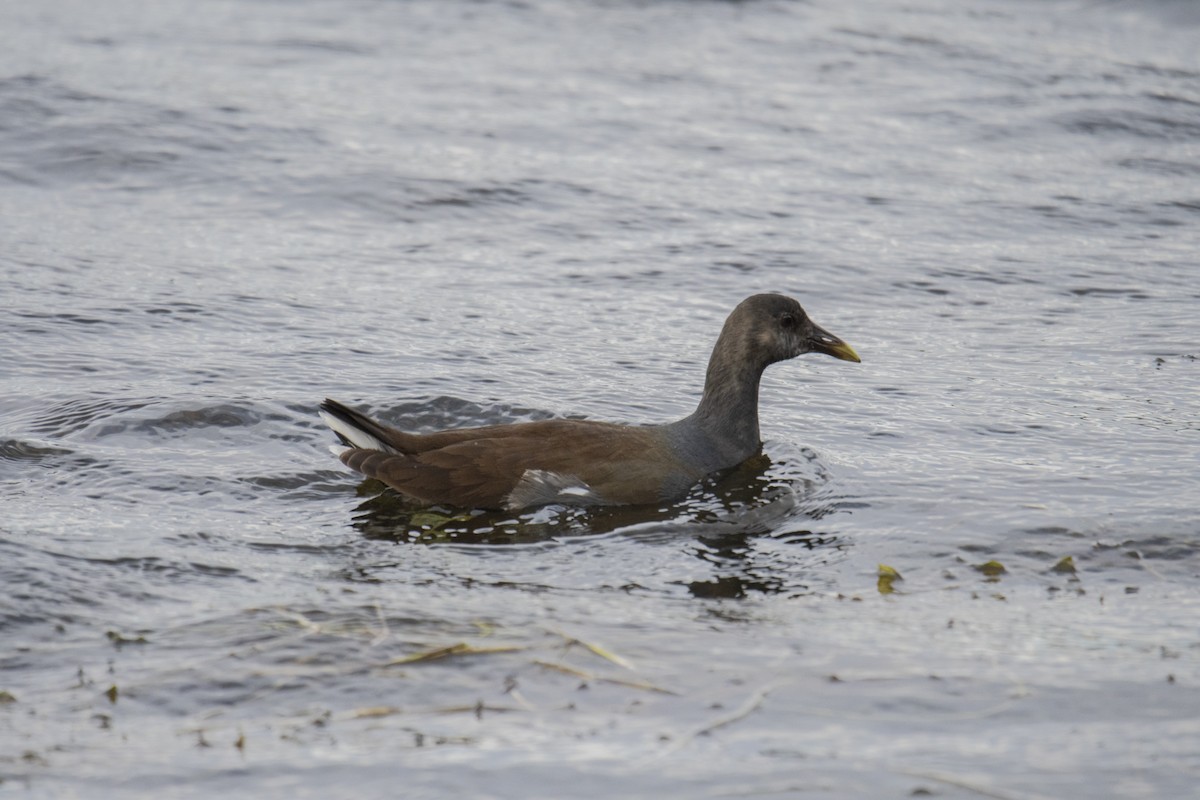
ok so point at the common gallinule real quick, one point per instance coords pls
(582, 462)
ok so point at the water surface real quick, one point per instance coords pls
(455, 213)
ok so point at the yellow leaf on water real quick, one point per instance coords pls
(1065, 565)
(991, 568)
(887, 578)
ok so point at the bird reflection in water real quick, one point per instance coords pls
(722, 518)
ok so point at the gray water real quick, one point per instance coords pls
(449, 213)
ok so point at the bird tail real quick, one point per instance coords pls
(354, 429)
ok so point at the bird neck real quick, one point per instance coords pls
(728, 412)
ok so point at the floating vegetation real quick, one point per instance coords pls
(604, 653)
(888, 576)
(992, 569)
(459, 649)
(592, 677)
(120, 639)
(375, 712)
(1065, 566)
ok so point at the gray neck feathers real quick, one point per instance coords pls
(723, 431)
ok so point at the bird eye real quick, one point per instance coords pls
(787, 321)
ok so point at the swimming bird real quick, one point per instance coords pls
(585, 462)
